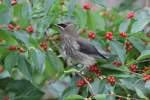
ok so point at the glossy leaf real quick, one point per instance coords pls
(124, 25)
(118, 49)
(145, 54)
(11, 60)
(139, 25)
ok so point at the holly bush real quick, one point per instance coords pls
(33, 68)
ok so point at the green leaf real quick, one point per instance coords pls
(124, 26)
(55, 62)
(99, 22)
(139, 25)
(137, 43)
(38, 58)
(90, 20)
(74, 97)
(139, 93)
(147, 86)
(119, 49)
(11, 60)
(98, 86)
(22, 36)
(81, 17)
(24, 67)
(100, 97)
(5, 14)
(22, 89)
(145, 54)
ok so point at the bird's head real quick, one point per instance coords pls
(67, 28)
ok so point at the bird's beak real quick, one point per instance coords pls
(61, 25)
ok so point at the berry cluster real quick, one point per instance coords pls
(133, 68)
(14, 48)
(131, 15)
(146, 77)
(44, 45)
(95, 70)
(109, 36)
(123, 35)
(117, 63)
(87, 6)
(81, 83)
(91, 35)
(111, 80)
(128, 45)
(6, 98)
(11, 27)
(29, 29)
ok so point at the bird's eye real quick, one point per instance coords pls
(62, 25)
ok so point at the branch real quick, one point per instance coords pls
(91, 88)
(147, 60)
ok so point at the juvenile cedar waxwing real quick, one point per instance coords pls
(79, 49)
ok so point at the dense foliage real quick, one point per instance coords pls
(31, 65)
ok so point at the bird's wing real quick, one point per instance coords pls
(88, 48)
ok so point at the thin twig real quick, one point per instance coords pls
(138, 62)
(127, 98)
(91, 88)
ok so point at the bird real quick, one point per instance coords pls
(78, 49)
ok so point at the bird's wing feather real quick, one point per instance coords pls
(88, 48)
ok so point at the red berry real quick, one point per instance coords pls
(10, 27)
(148, 35)
(127, 43)
(119, 98)
(91, 35)
(87, 6)
(44, 45)
(111, 80)
(29, 29)
(12, 48)
(18, 27)
(21, 50)
(98, 73)
(146, 69)
(1, 69)
(131, 15)
(123, 35)
(133, 68)
(129, 48)
(89, 79)
(6, 98)
(93, 68)
(145, 42)
(117, 64)
(13, 2)
(146, 77)
(80, 83)
(109, 35)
